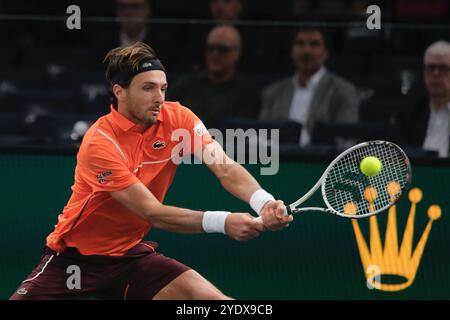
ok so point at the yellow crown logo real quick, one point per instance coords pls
(392, 260)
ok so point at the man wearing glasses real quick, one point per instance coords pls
(218, 92)
(427, 125)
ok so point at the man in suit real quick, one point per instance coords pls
(313, 94)
(161, 37)
(427, 124)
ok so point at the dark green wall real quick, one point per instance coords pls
(316, 258)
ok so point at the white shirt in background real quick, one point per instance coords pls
(301, 102)
(125, 41)
(438, 131)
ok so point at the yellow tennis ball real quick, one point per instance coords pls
(370, 166)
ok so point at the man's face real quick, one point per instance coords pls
(437, 75)
(132, 9)
(222, 51)
(308, 51)
(225, 9)
(143, 98)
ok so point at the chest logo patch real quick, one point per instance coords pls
(159, 144)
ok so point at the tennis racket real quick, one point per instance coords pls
(348, 193)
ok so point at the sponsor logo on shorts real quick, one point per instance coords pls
(22, 291)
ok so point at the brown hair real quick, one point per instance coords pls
(123, 59)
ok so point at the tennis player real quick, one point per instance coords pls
(123, 172)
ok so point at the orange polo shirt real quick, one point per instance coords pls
(114, 155)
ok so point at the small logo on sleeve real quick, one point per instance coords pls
(200, 129)
(159, 144)
(101, 177)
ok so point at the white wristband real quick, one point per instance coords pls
(214, 221)
(258, 199)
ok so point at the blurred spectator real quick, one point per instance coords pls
(331, 9)
(313, 94)
(301, 8)
(427, 124)
(225, 10)
(430, 9)
(161, 37)
(131, 32)
(220, 11)
(254, 42)
(220, 91)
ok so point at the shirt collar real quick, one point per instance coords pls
(318, 75)
(315, 78)
(126, 124)
(440, 110)
(126, 41)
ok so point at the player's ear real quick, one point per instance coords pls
(119, 92)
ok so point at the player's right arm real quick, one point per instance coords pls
(138, 199)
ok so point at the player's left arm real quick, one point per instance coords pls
(240, 183)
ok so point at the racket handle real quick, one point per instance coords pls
(287, 211)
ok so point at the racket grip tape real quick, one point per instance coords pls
(287, 210)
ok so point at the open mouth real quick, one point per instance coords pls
(155, 112)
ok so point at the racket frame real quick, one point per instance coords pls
(292, 208)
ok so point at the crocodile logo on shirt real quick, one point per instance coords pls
(159, 144)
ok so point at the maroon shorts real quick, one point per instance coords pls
(140, 274)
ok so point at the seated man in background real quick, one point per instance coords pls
(313, 94)
(194, 35)
(162, 37)
(427, 124)
(220, 91)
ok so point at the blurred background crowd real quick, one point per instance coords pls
(309, 68)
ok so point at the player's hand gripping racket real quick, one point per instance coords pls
(349, 193)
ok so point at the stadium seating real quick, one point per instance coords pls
(341, 134)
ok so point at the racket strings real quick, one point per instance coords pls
(395, 171)
(392, 161)
(350, 192)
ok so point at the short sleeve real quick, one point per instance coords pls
(197, 130)
(104, 168)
